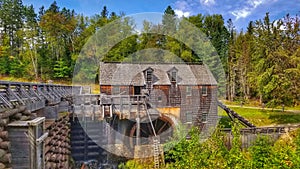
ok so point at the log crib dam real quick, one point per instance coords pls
(35, 125)
(56, 126)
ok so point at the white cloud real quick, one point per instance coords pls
(180, 13)
(241, 13)
(207, 2)
(248, 8)
(184, 7)
(181, 5)
(255, 3)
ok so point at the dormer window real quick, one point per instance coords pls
(149, 75)
(173, 76)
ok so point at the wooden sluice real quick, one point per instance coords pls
(249, 135)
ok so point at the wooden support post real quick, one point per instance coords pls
(138, 123)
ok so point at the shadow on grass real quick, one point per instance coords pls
(225, 122)
(285, 118)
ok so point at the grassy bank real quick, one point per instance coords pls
(255, 103)
(261, 117)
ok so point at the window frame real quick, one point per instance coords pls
(188, 90)
(173, 79)
(204, 90)
(159, 98)
(189, 117)
(149, 75)
(204, 117)
(116, 90)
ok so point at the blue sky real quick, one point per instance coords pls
(240, 11)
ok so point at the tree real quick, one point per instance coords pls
(4, 55)
(30, 44)
(61, 69)
(11, 14)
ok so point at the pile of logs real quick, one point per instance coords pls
(57, 144)
(19, 113)
(5, 156)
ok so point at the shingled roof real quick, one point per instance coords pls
(132, 74)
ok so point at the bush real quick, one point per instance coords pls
(213, 154)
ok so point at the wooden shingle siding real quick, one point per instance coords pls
(109, 90)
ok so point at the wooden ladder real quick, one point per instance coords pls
(156, 152)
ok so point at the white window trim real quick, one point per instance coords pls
(174, 77)
(206, 88)
(186, 119)
(190, 92)
(204, 117)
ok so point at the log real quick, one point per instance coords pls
(47, 148)
(24, 118)
(55, 128)
(57, 143)
(62, 138)
(63, 158)
(26, 112)
(33, 115)
(2, 166)
(2, 153)
(11, 112)
(47, 140)
(58, 150)
(64, 151)
(48, 156)
(6, 158)
(52, 142)
(5, 145)
(17, 116)
(58, 158)
(4, 121)
(51, 165)
(63, 144)
(56, 137)
(52, 149)
(4, 135)
(50, 133)
(48, 166)
(52, 158)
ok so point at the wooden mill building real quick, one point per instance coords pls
(180, 91)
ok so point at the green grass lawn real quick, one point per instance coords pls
(261, 117)
(255, 103)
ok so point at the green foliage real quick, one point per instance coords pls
(214, 152)
(4, 65)
(236, 157)
(61, 69)
(261, 151)
(135, 164)
(16, 68)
